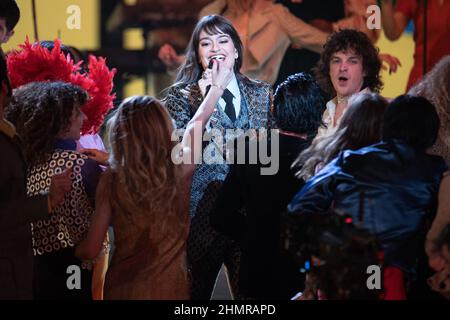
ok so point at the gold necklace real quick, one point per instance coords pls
(341, 99)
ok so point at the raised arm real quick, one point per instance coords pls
(90, 247)
(170, 58)
(394, 22)
(221, 75)
(301, 33)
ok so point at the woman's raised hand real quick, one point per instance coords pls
(221, 74)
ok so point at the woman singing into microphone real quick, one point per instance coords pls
(243, 104)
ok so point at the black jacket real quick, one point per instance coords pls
(388, 188)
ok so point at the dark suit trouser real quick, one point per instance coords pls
(207, 250)
(204, 271)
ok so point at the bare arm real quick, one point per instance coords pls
(90, 247)
(394, 22)
(301, 33)
(441, 220)
(192, 139)
(170, 58)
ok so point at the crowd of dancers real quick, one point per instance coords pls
(295, 195)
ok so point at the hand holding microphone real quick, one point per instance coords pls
(217, 74)
(210, 66)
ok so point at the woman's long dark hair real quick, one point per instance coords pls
(191, 70)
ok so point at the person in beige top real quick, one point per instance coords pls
(348, 65)
(266, 29)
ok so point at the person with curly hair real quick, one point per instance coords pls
(360, 126)
(349, 64)
(53, 61)
(48, 117)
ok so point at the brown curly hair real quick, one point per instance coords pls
(358, 42)
(41, 111)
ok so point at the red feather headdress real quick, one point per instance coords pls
(34, 63)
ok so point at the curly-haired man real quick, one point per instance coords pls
(348, 65)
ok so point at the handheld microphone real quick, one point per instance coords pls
(210, 65)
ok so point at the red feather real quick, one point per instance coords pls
(34, 63)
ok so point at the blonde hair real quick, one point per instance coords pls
(144, 180)
(435, 87)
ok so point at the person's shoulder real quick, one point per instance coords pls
(254, 82)
(376, 148)
(277, 9)
(278, 12)
(348, 158)
(181, 89)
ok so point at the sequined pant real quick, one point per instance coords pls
(207, 250)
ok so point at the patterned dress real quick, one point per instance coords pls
(54, 239)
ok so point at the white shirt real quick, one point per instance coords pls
(328, 116)
(327, 119)
(234, 89)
